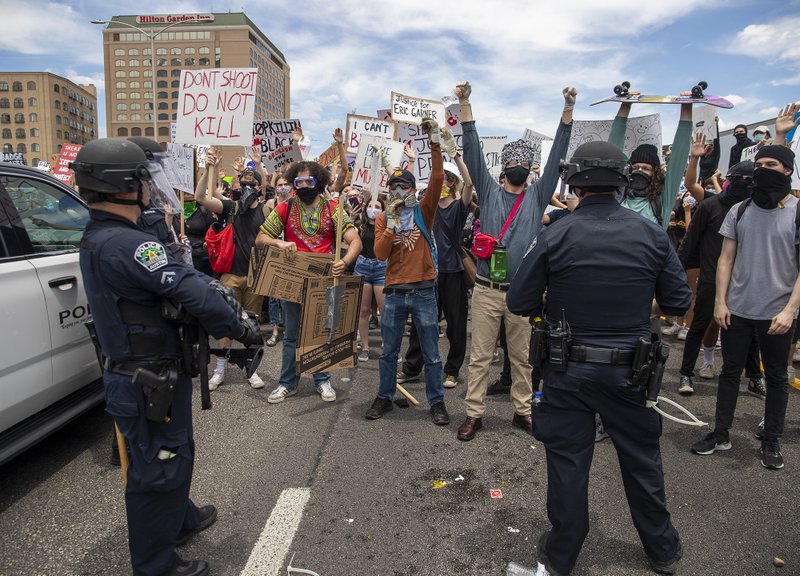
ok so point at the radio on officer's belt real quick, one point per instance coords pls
(558, 341)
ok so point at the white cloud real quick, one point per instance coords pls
(778, 41)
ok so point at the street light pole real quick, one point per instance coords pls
(152, 38)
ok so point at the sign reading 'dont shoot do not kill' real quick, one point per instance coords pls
(216, 106)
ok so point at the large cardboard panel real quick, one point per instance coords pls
(313, 351)
(277, 274)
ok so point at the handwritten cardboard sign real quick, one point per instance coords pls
(181, 177)
(414, 110)
(492, 146)
(62, 171)
(412, 134)
(274, 139)
(216, 106)
(358, 125)
(367, 171)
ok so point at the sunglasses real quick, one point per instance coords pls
(304, 182)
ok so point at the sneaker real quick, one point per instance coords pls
(495, 356)
(216, 379)
(760, 430)
(757, 387)
(771, 456)
(600, 433)
(708, 371)
(380, 406)
(280, 394)
(667, 566)
(255, 381)
(498, 387)
(402, 377)
(685, 386)
(326, 391)
(373, 323)
(451, 381)
(208, 515)
(683, 333)
(671, 330)
(710, 444)
(363, 356)
(439, 414)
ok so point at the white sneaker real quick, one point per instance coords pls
(683, 333)
(671, 330)
(280, 394)
(326, 391)
(256, 382)
(708, 371)
(216, 379)
(541, 570)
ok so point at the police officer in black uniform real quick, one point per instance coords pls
(127, 273)
(601, 267)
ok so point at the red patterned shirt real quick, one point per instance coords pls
(310, 232)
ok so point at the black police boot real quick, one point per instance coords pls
(208, 515)
(190, 568)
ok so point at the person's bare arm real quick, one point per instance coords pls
(338, 186)
(697, 149)
(201, 191)
(785, 122)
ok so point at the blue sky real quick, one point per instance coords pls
(347, 55)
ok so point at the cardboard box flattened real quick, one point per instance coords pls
(273, 273)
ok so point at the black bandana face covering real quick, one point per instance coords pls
(738, 190)
(770, 187)
(639, 183)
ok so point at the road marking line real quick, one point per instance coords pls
(269, 551)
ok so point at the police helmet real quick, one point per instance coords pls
(163, 172)
(596, 165)
(109, 166)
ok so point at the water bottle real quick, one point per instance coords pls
(537, 399)
(497, 265)
(514, 569)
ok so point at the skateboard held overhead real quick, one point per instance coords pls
(623, 94)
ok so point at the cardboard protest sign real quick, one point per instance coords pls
(314, 353)
(640, 130)
(536, 139)
(412, 134)
(173, 130)
(414, 110)
(62, 171)
(181, 177)
(274, 273)
(274, 139)
(358, 125)
(13, 157)
(367, 170)
(703, 121)
(329, 155)
(216, 106)
(43, 165)
(749, 153)
(492, 146)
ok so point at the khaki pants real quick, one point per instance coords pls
(488, 309)
(249, 300)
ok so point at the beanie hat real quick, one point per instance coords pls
(782, 154)
(646, 154)
(517, 152)
(252, 173)
(743, 169)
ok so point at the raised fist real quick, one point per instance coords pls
(462, 91)
(569, 96)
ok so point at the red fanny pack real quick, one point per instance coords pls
(483, 244)
(220, 249)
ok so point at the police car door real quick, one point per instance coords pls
(54, 220)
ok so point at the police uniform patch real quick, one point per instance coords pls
(151, 255)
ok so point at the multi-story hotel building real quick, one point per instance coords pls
(231, 40)
(40, 112)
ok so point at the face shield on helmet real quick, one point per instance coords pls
(163, 173)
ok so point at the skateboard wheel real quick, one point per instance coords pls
(619, 90)
(626, 85)
(703, 84)
(697, 92)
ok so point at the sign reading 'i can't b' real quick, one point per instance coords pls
(216, 106)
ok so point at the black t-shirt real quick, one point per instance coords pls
(367, 232)
(245, 229)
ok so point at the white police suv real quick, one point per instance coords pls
(48, 369)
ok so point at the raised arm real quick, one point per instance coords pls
(201, 194)
(473, 155)
(696, 151)
(620, 124)
(546, 185)
(449, 145)
(785, 122)
(338, 186)
(677, 160)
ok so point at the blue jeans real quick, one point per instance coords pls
(291, 324)
(425, 314)
(275, 311)
(373, 271)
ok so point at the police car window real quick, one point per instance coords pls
(53, 219)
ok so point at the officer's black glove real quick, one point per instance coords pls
(251, 335)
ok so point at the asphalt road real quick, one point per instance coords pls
(397, 496)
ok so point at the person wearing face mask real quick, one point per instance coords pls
(307, 224)
(489, 294)
(369, 266)
(758, 295)
(742, 142)
(246, 213)
(701, 248)
(761, 135)
(283, 191)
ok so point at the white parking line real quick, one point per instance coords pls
(268, 554)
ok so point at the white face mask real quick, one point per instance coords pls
(373, 213)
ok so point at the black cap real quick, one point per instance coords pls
(255, 174)
(403, 176)
(741, 169)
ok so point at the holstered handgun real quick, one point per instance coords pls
(538, 351)
(658, 362)
(159, 390)
(641, 364)
(558, 341)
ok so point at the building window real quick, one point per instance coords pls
(20, 133)
(175, 62)
(133, 62)
(119, 52)
(120, 74)
(147, 62)
(188, 51)
(134, 84)
(4, 103)
(18, 103)
(161, 73)
(57, 104)
(34, 132)
(175, 51)
(163, 131)
(174, 106)
(174, 116)
(122, 95)
(162, 94)
(161, 52)
(59, 135)
(119, 63)
(136, 106)
(33, 117)
(146, 52)
(122, 131)
(36, 148)
(175, 84)
(4, 86)
(19, 118)
(121, 85)
(16, 86)
(134, 74)
(135, 95)
(205, 50)
(7, 133)
(163, 116)
(58, 119)
(161, 62)
(147, 84)
(148, 95)
(8, 149)
(175, 94)
(122, 107)
(148, 131)
(204, 62)
(163, 106)
(175, 72)
(136, 131)
(148, 117)
(136, 117)
(148, 105)
(133, 52)
(147, 73)
(31, 85)
(21, 148)
(33, 102)
(189, 61)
